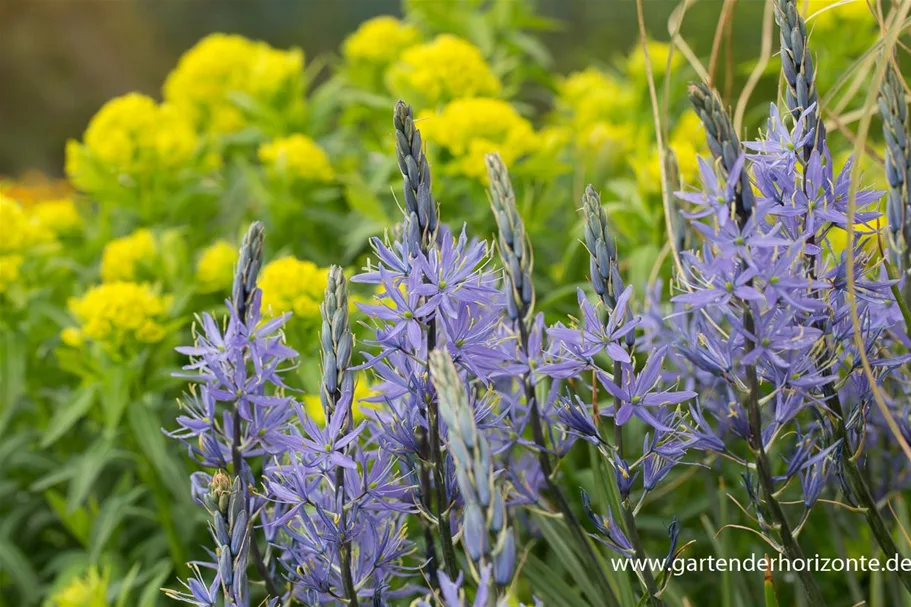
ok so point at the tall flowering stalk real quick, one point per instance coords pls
(421, 222)
(237, 415)
(802, 103)
(766, 340)
(337, 507)
(893, 110)
(337, 344)
(607, 329)
(487, 537)
(516, 255)
(605, 279)
(799, 72)
(731, 281)
(434, 292)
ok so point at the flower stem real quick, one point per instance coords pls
(633, 532)
(861, 489)
(764, 471)
(344, 550)
(902, 299)
(554, 490)
(439, 470)
(618, 429)
(629, 519)
(237, 463)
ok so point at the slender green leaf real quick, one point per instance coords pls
(555, 534)
(78, 521)
(115, 395)
(126, 585)
(548, 585)
(109, 518)
(15, 564)
(145, 425)
(88, 467)
(151, 592)
(13, 362)
(66, 416)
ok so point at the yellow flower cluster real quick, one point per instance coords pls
(124, 258)
(116, 312)
(469, 129)
(598, 106)
(89, 590)
(30, 231)
(215, 268)
(828, 15)
(658, 53)
(223, 65)
(59, 216)
(592, 95)
(442, 70)
(293, 285)
(9, 270)
(379, 41)
(297, 157)
(314, 406)
(129, 136)
(22, 229)
(687, 140)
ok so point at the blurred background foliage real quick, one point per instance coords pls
(141, 137)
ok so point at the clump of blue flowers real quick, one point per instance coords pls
(752, 360)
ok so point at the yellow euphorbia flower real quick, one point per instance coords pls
(297, 157)
(9, 270)
(21, 230)
(215, 268)
(116, 312)
(658, 53)
(123, 258)
(606, 139)
(442, 70)
(59, 216)
(131, 136)
(380, 40)
(293, 285)
(314, 406)
(469, 129)
(222, 65)
(688, 141)
(89, 590)
(592, 96)
(827, 15)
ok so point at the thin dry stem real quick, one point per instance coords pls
(898, 15)
(727, 11)
(765, 55)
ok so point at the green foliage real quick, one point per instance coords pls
(93, 498)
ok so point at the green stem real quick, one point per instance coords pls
(629, 517)
(237, 463)
(163, 508)
(874, 519)
(790, 546)
(633, 532)
(903, 300)
(618, 429)
(553, 489)
(439, 471)
(344, 550)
